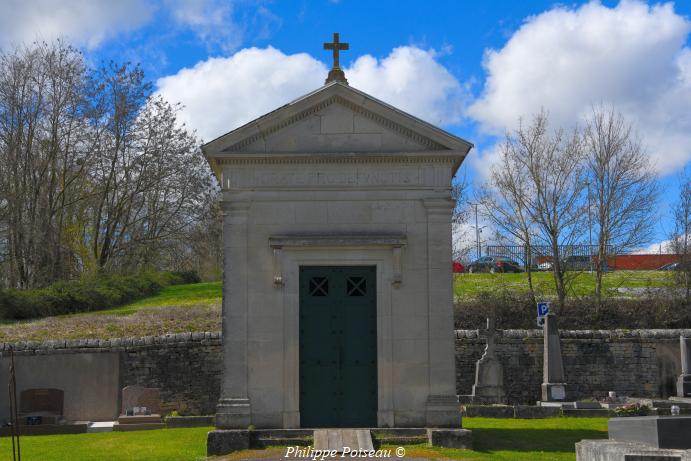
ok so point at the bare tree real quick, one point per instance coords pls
(459, 192)
(42, 140)
(553, 162)
(680, 240)
(504, 200)
(149, 177)
(95, 174)
(622, 186)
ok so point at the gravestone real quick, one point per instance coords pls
(644, 438)
(141, 409)
(41, 406)
(489, 373)
(553, 382)
(684, 380)
(337, 286)
(136, 396)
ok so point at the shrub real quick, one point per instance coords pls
(100, 292)
(513, 309)
(186, 277)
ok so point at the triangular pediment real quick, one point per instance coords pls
(335, 119)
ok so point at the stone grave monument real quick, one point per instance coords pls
(337, 287)
(684, 380)
(489, 373)
(141, 409)
(646, 438)
(41, 406)
(553, 382)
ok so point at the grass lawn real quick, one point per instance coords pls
(582, 283)
(194, 294)
(494, 439)
(156, 445)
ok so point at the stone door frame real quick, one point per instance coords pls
(291, 259)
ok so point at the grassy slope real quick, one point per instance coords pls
(178, 308)
(582, 284)
(173, 296)
(494, 439)
(196, 307)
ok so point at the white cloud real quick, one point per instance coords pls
(83, 22)
(662, 247)
(632, 56)
(412, 80)
(220, 94)
(220, 25)
(211, 20)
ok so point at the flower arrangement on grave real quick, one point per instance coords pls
(632, 409)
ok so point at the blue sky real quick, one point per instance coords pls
(471, 67)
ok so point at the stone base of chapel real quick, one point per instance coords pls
(233, 414)
(225, 441)
(443, 411)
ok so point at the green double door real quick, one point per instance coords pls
(338, 346)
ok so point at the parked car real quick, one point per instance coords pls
(668, 267)
(678, 266)
(458, 268)
(493, 264)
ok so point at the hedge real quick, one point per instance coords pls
(86, 295)
(516, 310)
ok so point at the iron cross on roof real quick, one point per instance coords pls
(336, 73)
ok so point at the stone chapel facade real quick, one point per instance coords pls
(337, 297)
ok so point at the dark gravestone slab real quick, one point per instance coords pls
(656, 431)
(140, 396)
(41, 401)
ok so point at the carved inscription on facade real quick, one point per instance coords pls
(250, 178)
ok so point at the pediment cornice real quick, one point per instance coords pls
(427, 136)
(337, 99)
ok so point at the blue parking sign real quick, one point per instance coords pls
(542, 309)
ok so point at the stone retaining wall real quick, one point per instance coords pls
(187, 366)
(642, 363)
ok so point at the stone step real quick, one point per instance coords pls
(189, 421)
(141, 419)
(137, 427)
(587, 412)
(341, 439)
(101, 426)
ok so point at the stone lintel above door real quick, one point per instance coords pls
(394, 241)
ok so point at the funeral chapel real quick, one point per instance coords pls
(337, 286)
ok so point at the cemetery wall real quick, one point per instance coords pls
(642, 363)
(187, 367)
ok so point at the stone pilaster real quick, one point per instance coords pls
(233, 409)
(442, 404)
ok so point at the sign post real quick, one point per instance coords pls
(542, 311)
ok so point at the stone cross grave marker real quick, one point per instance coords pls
(489, 374)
